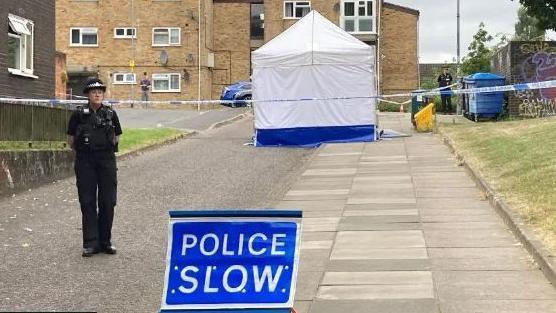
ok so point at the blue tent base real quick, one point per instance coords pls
(230, 311)
(310, 137)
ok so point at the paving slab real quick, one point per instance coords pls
(452, 204)
(481, 259)
(377, 278)
(302, 306)
(386, 212)
(360, 221)
(375, 306)
(497, 306)
(317, 194)
(446, 192)
(314, 260)
(380, 226)
(459, 225)
(378, 254)
(379, 239)
(320, 224)
(440, 216)
(316, 244)
(372, 292)
(307, 285)
(314, 205)
(470, 238)
(380, 206)
(379, 265)
(385, 199)
(493, 285)
(330, 172)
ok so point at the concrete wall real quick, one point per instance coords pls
(525, 61)
(20, 170)
(42, 15)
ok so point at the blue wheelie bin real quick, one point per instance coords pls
(484, 105)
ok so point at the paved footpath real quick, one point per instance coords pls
(397, 226)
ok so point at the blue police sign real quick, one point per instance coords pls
(231, 259)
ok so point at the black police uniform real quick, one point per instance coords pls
(445, 80)
(95, 170)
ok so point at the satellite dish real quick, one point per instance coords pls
(163, 57)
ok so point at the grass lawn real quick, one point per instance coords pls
(131, 139)
(136, 138)
(518, 159)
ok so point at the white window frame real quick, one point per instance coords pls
(125, 35)
(295, 4)
(356, 18)
(160, 76)
(88, 30)
(22, 32)
(124, 80)
(169, 29)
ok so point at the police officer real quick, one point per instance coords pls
(93, 133)
(445, 80)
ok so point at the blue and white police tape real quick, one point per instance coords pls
(434, 92)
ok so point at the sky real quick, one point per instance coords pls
(438, 24)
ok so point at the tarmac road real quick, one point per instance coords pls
(182, 119)
(41, 268)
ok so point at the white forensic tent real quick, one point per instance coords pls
(314, 59)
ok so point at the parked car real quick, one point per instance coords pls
(237, 92)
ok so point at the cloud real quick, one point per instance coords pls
(438, 24)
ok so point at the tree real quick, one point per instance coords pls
(527, 27)
(478, 58)
(543, 10)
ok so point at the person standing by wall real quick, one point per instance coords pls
(93, 133)
(145, 86)
(445, 80)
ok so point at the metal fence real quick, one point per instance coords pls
(33, 122)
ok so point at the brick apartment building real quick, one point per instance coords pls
(27, 55)
(120, 40)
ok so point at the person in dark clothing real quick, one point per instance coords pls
(93, 133)
(445, 80)
(145, 86)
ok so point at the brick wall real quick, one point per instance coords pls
(522, 62)
(113, 55)
(231, 44)
(398, 50)
(42, 15)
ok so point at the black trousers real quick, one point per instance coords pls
(96, 175)
(446, 103)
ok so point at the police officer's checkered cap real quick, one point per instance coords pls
(94, 83)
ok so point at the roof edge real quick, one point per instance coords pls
(401, 8)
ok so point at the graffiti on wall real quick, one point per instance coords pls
(534, 106)
(539, 65)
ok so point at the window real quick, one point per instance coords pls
(358, 16)
(163, 36)
(296, 9)
(86, 37)
(166, 82)
(123, 78)
(20, 45)
(125, 32)
(257, 21)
